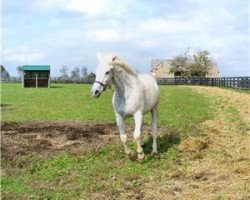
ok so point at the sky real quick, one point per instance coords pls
(73, 32)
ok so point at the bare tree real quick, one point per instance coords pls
(75, 74)
(64, 73)
(84, 72)
(20, 71)
(4, 73)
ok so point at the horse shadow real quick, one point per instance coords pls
(4, 105)
(166, 140)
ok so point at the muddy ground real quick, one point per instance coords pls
(50, 137)
(46, 138)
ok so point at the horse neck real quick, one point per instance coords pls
(124, 82)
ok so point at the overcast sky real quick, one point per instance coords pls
(72, 32)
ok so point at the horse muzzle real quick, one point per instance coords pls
(97, 90)
(97, 94)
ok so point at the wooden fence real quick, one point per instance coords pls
(234, 82)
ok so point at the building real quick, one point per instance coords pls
(161, 69)
(36, 76)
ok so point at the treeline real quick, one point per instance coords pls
(77, 75)
(196, 64)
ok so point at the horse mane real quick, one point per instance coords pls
(117, 61)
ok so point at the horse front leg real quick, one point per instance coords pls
(138, 117)
(123, 137)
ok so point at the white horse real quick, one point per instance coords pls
(135, 94)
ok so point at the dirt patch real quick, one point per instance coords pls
(50, 137)
(47, 138)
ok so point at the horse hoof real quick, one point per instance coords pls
(141, 158)
(132, 156)
(155, 154)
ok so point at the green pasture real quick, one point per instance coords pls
(179, 107)
(107, 171)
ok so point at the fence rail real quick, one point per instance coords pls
(234, 82)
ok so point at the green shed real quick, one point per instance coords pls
(36, 75)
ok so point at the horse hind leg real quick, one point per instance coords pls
(142, 136)
(154, 114)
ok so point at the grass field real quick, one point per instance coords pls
(203, 141)
(74, 102)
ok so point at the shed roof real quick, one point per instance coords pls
(36, 67)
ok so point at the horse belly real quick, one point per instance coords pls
(151, 92)
(150, 102)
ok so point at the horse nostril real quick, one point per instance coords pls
(96, 92)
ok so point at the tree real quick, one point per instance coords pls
(4, 73)
(180, 65)
(198, 64)
(201, 63)
(75, 74)
(19, 71)
(64, 73)
(85, 72)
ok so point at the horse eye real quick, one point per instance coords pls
(107, 72)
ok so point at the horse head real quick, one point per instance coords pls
(104, 74)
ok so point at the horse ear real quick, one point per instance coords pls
(114, 61)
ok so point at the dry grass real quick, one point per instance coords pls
(218, 159)
(228, 97)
